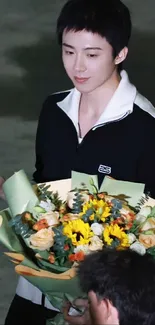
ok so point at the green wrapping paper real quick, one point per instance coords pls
(56, 291)
(133, 191)
(7, 236)
(20, 195)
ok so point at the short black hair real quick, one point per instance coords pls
(108, 18)
(125, 278)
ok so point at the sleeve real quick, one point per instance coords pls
(146, 164)
(40, 141)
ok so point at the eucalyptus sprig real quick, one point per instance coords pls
(45, 194)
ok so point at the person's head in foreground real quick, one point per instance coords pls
(121, 286)
(94, 36)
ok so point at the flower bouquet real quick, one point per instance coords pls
(50, 228)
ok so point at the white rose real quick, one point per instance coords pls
(47, 205)
(43, 239)
(148, 224)
(145, 211)
(138, 248)
(97, 229)
(52, 218)
(140, 218)
(131, 238)
(95, 244)
(83, 248)
(72, 196)
(142, 214)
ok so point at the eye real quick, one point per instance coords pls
(92, 55)
(69, 52)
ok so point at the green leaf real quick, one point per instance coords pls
(62, 260)
(95, 189)
(151, 250)
(56, 268)
(148, 232)
(39, 209)
(152, 214)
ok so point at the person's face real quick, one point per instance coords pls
(88, 59)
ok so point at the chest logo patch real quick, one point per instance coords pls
(104, 169)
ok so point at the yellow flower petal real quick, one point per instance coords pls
(114, 231)
(78, 231)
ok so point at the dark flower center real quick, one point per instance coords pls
(78, 235)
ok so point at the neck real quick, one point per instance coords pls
(96, 101)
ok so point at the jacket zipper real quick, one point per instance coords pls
(102, 124)
(119, 119)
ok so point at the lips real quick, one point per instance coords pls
(80, 80)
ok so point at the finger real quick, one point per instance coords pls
(93, 300)
(73, 320)
(66, 307)
(98, 309)
(96, 306)
(81, 302)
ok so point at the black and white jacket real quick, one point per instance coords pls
(120, 144)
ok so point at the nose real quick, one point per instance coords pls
(79, 65)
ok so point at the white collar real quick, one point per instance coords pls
(70, 105)
(119, 106)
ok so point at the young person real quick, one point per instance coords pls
(121, 289)
(102, 126)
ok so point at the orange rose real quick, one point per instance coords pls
(78, 257)
(147, 240)
(69, 217)
(41, 224)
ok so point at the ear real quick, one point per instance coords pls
(121, 56)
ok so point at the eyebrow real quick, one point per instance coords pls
(87, 48)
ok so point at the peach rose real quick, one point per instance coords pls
(43, 239)
(147, 240)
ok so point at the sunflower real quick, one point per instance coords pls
(112, 232)
(78, 231)
(100, 208)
